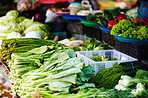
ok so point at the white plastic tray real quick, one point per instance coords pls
(121, 57)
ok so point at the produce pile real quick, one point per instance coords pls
(122, 26)
(80, 45)
(109, 19)
(20, 45)
(92, 44)
(13, 26)
(108, 78)
(48, 72)
(127, 28)
(131, 87)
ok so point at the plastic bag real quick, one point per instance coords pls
(51, 16)
(143, 10)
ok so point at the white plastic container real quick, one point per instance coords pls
(121, 57)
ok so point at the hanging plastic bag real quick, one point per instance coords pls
(51, 16)
(143, 10)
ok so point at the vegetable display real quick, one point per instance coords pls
(20, 45)
(80, 45)
(108, 19)
(50, 71)
(126, 28)
(58, 72)
(11, 22)
(42, 68)
(134, 87)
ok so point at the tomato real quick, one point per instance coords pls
(111, 23)
(121, 16)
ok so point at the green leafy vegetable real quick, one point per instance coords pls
(12, 13)
(142, 74)
(108, 78)
(126, 28)
(92, 44)
(41, 28)
(56, 73)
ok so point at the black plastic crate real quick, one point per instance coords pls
(139, 51)
(74, 26)
(57, 26)
(92, 32)
(107, 38)
(144, 64)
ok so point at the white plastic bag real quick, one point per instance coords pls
(51, 16)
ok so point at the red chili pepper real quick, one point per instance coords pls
(121, 16)
(111, 23)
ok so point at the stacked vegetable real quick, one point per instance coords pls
(134, 87)
(22, 63)
(80, 45)
(59, 73)
(49, 72)
(92, 44)
(127, 28)
(109, 19)
(14, 26)
(108, 78)
(20, 45)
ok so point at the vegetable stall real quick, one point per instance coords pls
(107, 64)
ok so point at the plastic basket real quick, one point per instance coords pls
(92, 32)
(131, 40)
(138, 51)
(57, 26)
(121, 57)
(73, 17)
(145, 64)
(105, 29)
(89, 23)
(80, 37)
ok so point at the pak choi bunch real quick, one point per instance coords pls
(140, 91)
